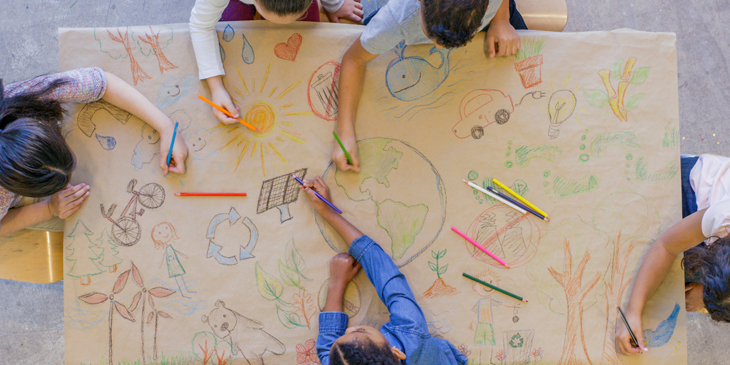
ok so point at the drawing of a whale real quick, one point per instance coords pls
(410, 78)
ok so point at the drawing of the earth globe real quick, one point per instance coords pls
(397, 199)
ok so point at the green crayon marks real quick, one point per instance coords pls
(643, 174)
(508, 163)
(563, 187)
(671, 138)
(524, 154)
(602, 142)
(473, 175)
(402, 222)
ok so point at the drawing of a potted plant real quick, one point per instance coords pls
(439, 287)
(528, 61)
(616, 98)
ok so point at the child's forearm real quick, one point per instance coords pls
(335, 297)
(502, 13)
(342, 226)
(352, 76)
(215, 84)
(123, 95)
(23, 217)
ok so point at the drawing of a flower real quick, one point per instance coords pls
(306, 353)
(464, 349)
(537, 354)
(500, 355)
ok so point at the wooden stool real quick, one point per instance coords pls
(32, 256)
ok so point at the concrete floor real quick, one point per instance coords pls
(31, 316)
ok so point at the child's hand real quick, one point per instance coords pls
(343, 268)
(67, 201)
(318, 185)
(350, 9)
(219, 96)
(179, 151)
(339, 157)
(501, 39)
(623, 338)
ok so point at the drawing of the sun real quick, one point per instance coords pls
(267, 112)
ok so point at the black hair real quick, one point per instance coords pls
(453, 23)
(710, 265)
(35, 160)
(286, 7)
(365, 352)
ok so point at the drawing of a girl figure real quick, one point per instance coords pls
(163, 235)
(484, 331)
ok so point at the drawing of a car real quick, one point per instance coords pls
(480, 108)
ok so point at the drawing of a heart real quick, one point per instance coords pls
(288, 51)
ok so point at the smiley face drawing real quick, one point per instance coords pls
(174, 88)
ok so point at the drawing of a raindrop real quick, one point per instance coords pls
(223, 52)
(228, 33)
(247, 51)
(107, 143)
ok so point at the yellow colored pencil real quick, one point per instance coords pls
(503, 186)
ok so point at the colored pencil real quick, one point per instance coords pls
(174, 134)
(494, 287)
(503, 186)
(480, 247)
(519, 204)
(633, 337)
(497, 197)
(349, 159)
(318, 196)
(210, 194)
(227, 113)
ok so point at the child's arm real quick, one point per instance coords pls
(123, 95)
(352, 75)
(62, 204)
(682, 236)
(502, 39)
(181, 254)
(348, 9)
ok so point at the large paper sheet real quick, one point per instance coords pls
(583, 125)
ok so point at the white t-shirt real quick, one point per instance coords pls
(710, 180)
(400, 20)
(203, 19)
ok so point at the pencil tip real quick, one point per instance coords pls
(177, 194)
(507, 266)
(525, 300)
(464, 181)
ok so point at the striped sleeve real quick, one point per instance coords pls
(83, 85)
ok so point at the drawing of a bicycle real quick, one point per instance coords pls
(126, 230)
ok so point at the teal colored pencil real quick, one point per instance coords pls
(169, 153)
(349, 159)
(494, 287)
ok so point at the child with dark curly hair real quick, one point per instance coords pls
(706, 220)
(405, 339)
(445, 23)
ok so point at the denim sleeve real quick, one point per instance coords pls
(390, 284)
(332, 325)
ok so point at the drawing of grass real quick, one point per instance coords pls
(179, 359)
(531, 46)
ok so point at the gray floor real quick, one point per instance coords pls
(31, 316)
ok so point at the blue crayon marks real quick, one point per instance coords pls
(214, 250)
(228, 33)
(247, 52)
(174, 88)
(663, 332)
(106, 142)
(410, 78)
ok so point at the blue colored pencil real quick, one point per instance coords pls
(169, 153)
(318, 196)
(517, 203)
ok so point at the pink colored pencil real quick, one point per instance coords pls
(210, 194)
(480, 247)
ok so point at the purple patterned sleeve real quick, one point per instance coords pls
(83, 85)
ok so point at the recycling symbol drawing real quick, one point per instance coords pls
(214, 250)
(516, 341)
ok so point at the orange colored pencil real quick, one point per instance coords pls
(227, 113)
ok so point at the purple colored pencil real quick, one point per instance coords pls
(318, 196)
(517, 203)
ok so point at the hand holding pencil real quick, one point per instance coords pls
(344, 143)
(172, 148)
(314, 186)
(624, 339)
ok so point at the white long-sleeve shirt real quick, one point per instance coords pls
(203, 20)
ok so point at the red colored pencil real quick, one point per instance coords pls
(210, 194)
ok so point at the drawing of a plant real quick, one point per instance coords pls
(207, 354)
(98, 298)
(291, 272)
(528, 61)
(150, 43)
(112, 50)
(439, 287)
(108, 252)
(269, 286)
(82, 254)
(222, 359)
(205, 345)
(614, 98)
(304, 306)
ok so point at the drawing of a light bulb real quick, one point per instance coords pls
(560, 108)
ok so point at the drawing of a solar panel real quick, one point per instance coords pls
(279, 192)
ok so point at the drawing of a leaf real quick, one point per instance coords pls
(94, 298)
(294, 259)
(443, 269)
(289, 319)
(123, 311)
(639, 76)
(288, 276)
(160, 292)
(434, 254)
(152, 302)
(150, 317)
(442, 253)
(596, 97)
(267, 285)
(137, 277)
(432, 266)
(163, 314)
(634, 101)
(135, 302)
(616, 70)
(121, 282)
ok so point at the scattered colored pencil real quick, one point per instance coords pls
(210, 194)
(174, 134)
(318, 196)
(227, 113)
(519, 204)
(349, 159)
(494, 287)
(497, 197)
(480, 247)
(633, 337)
(503, 186)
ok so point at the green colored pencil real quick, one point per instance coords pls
(349, 159)
(494, 287)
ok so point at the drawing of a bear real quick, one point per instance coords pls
(247, 335)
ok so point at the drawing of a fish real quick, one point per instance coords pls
(410, 78)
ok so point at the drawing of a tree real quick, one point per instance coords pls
(107, 44)
(615, 99)
(107, 252)
(615, 284)
(151, 43)
(81, 252)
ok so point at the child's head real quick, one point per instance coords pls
(282, 11)
(452, 23)
(364, 345)
(710, 265)
(488, 276)
(35, 160)
(162, 234)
